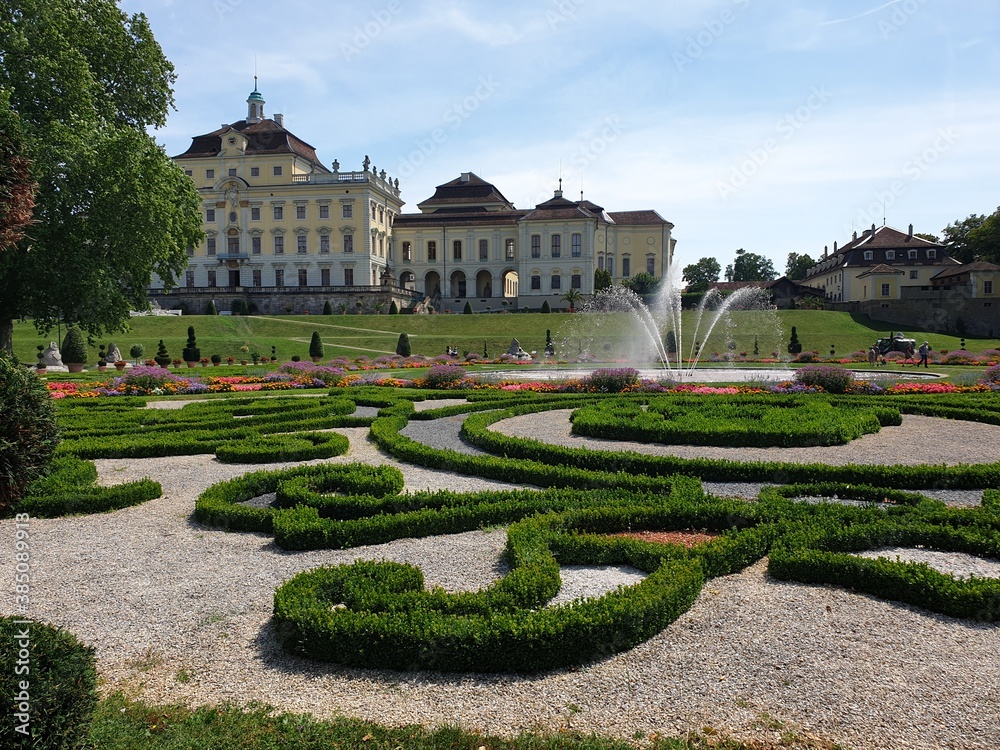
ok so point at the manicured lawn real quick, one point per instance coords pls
(374, 335)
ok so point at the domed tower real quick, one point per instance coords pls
(255, 105)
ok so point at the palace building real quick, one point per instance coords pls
(470, 244)
(284, 233)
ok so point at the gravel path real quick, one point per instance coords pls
(160, 596)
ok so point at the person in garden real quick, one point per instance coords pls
(924, 352)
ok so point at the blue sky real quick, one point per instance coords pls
(773, 126)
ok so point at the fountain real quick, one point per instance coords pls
(657, 330)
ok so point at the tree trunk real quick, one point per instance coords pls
(7, 335)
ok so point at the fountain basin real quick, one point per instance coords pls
(697, 375)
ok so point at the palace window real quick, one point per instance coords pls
(536, 282)
(324, 211)
(931, 254)
(303, 277)
(556, 282)
(484, 249)
(279, 213)
(209, 174)
(211, 279)
(348, 277)
(651, 265)
(324, 244)
(536, 246)
(869, 255)
(189, 278)
(456, 250)
(255, 171)
(277, 172)
(300, 213)
(987, 287)
(890, 255)
(301, 245)
(279, 277)
(407, 252)
(885, 290)
(348, 210)
(432, 251)
(348, 243)
(211, 246)
(324, 277)
(556, 245)
(509, 250)
(911, 254)
(232, 172)
(233, 245)
(209, 215)
(257, 281)
(626, 267)
(576, 281)
(255, 213)
(914, 273)
(279, 245)
(577, 245)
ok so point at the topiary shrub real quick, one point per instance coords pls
(831, 379)
(794, 346)
(316, 346)
(546, 308)
(51, 705)
(74, 348)
(28, 433)
(191, 351)
(162, 358)
(327, 308)
(403, 345)
(467, 310)
(393, 308)
(136, 351)
(211, 309)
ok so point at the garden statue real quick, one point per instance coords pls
(113, 354)
(51, 356)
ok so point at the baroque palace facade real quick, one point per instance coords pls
(284, 233)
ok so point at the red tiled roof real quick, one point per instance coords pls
(473, 189)
(979, 265)
(881, 268)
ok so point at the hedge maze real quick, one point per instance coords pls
(379, 614)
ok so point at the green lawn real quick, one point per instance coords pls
(606, 337)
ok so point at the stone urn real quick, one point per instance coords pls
(74, 366)
(119, 366)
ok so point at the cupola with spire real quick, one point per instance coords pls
(255, 105)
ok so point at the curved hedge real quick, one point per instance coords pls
(300, 446)
(71, 487)
(378, 615)
(782, 421)
(823, 555)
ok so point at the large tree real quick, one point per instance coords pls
(84, 81)
(750, 267)
(986, 238)
(797, 266)
(699, 275)
(957, 237)
(17, 189)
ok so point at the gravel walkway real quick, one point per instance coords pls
(178, 612)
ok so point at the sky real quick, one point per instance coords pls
(777, 127)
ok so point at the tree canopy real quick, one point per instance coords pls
(985, 239)
(699, 275)
(956, 237)
(750, 267)
(643, 284)
(82, 85)
(797, 266)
